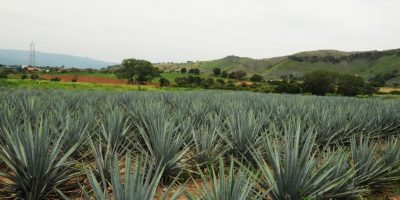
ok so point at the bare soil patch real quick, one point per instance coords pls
(86, 79)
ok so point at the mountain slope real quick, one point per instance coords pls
(365, 64)
(20, 57)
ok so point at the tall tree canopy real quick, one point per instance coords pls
(319, 82)
(137, 71)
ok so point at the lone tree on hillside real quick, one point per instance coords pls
(217, 71)
(137, 71)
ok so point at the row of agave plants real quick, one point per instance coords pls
(195, 145)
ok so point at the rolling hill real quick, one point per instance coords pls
(20, 57)
(366, 64)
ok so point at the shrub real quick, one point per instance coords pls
(164, 82)
(224, 74)
(24, 76)
(217, 71)
(349, 85)
(319, 82)
(3, 75)
(34, 77)
(288, 88)
(55, 79)
(75, 79)
(256, 78)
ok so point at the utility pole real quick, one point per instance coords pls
(32, 54)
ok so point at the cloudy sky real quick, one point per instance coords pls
(182, 30)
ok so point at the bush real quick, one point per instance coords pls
(34, 77)
(240, 75)
(164, 82)
(224, 74)
(55, 79)
(75, 79)
(319, 82)
(256, 78)
(24, 76)
(217, 71)
(288, 88)
(221, 81)
(3, 75)
(195, 71)
(349, 85)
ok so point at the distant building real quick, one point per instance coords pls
(32, 69)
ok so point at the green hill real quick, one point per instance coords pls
(366, 64)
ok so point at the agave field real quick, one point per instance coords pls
(196, 145)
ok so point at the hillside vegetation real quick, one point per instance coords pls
(366, 64)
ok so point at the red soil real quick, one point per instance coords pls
(86, 79)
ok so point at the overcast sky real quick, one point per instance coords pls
(182, 30)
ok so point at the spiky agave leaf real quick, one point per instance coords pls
(35, 161)
(342, 168)
(291, 170)
(235, 184)
(141, 183)
(372, 170)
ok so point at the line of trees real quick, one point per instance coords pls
(195, 71)
(322, 82)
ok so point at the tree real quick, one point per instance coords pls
(224, 74)
(319, 82)
(238, 75)
(137, 71)
(3, 74)
(350, 85)
(34, 77)
(217, 71)
(183, 70)
(164, 82)
(288, 87)
(369, 90)
(195, 71)
(207, 83)
(256, 78)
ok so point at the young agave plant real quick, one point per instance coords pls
(207, 142)
(115, 131)
(378, 173)
(237, 184)
(164, 140)
(244, 130)
(291, 170)
(35, 162)
(141, 183)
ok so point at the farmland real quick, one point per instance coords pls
(196, 145)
